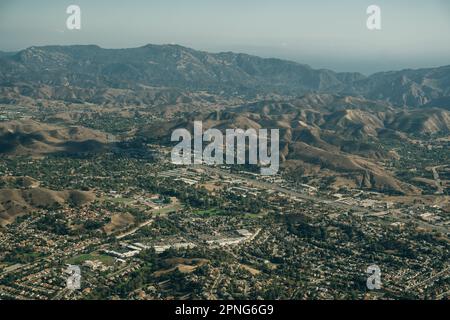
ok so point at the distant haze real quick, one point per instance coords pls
(324, 34)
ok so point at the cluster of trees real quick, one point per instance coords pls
(303, 228)
(21, 255)
(145, 275)
(53, 223)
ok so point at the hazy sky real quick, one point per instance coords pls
(323, 33)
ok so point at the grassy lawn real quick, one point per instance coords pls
(253, 215)
(170, 208)
(119, 200)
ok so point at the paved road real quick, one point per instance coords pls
(438, 181)
(143, 224)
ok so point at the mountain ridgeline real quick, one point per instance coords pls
(84, 73)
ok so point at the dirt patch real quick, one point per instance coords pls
(118, 222)
(252, 270)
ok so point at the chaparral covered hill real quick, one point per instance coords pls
(16, 202)
(29, 137)
(341, 134)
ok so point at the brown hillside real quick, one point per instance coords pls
(17, 202)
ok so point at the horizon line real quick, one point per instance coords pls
(219, 52)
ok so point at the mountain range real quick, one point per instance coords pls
(85, 73)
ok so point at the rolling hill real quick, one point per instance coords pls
(17, 202)
(341, 134)
(29, 137)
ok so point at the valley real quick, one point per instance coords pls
(86, 178)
